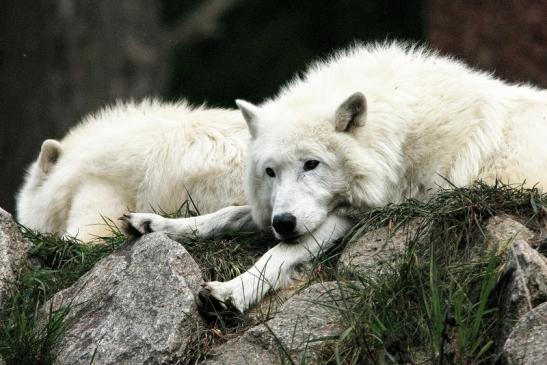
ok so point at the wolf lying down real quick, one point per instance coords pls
(372, 125)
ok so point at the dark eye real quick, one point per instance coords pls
(310, 165)
(270, 172)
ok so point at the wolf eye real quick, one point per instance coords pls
(270, 172)
(310, 165)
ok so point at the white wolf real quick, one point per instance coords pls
(129, 157)
(371, 125)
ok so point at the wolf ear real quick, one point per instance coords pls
(250, 113)
(49, 154)
(351, 113)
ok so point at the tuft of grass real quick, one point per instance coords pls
(436, 304)
(25, 337)
(225, 258)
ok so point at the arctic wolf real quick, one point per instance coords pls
(369, 126)
(135, 157)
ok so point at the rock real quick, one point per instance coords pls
(13, 253)
(527, 344)
(524, 281)
(135, 306)
(502, 229)
(302, 319)
(368, 253)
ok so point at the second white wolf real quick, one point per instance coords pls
(135, 157)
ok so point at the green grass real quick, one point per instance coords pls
(56, 264)
(437, 302)
(25, 338)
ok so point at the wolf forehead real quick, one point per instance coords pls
(293, 145)
(293, 130)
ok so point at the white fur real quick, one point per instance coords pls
(144, 157)
(428, 120)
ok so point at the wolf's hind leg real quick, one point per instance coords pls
(229, 219)
(95, 207)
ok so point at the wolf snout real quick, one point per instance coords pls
(284, 224)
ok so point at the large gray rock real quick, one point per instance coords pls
(373, 249)
(527, 344)
(502, 230)
(305, 317)
(135, 306)
(13, 253)
(524, 281)
(525, 268)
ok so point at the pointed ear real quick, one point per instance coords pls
(250, 113)
(49, 154)
(351, 113)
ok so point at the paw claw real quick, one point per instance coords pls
(134, 225)
(146, 227)
(128, 230)
(215, 311)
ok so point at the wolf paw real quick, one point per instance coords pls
(134, 225)
(216, 306)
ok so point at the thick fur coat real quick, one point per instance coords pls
(371, 125)
(135, 157)
(428, 121)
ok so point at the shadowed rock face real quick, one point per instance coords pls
(524, 283)
(13, 253)
(135, 306)
(305, 317)
(527, 344)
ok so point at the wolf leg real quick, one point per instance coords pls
(275, 269)
(94, 208)
(229, 219)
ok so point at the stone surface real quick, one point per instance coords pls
(524, 282)
(303, 318)
(135, 306)
(376, 247)
(525, 268)
(527, 343)
(503, 229)
(13, 253)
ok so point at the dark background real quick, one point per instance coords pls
(61, 59)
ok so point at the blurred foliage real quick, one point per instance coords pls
(263, 44)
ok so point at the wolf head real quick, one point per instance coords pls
(305, 163)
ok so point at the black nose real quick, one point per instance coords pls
(284, 224)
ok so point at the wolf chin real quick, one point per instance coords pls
(374, 124)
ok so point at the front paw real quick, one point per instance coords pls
(134, 225)
(216, 306)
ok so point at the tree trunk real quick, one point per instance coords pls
(62, 59)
